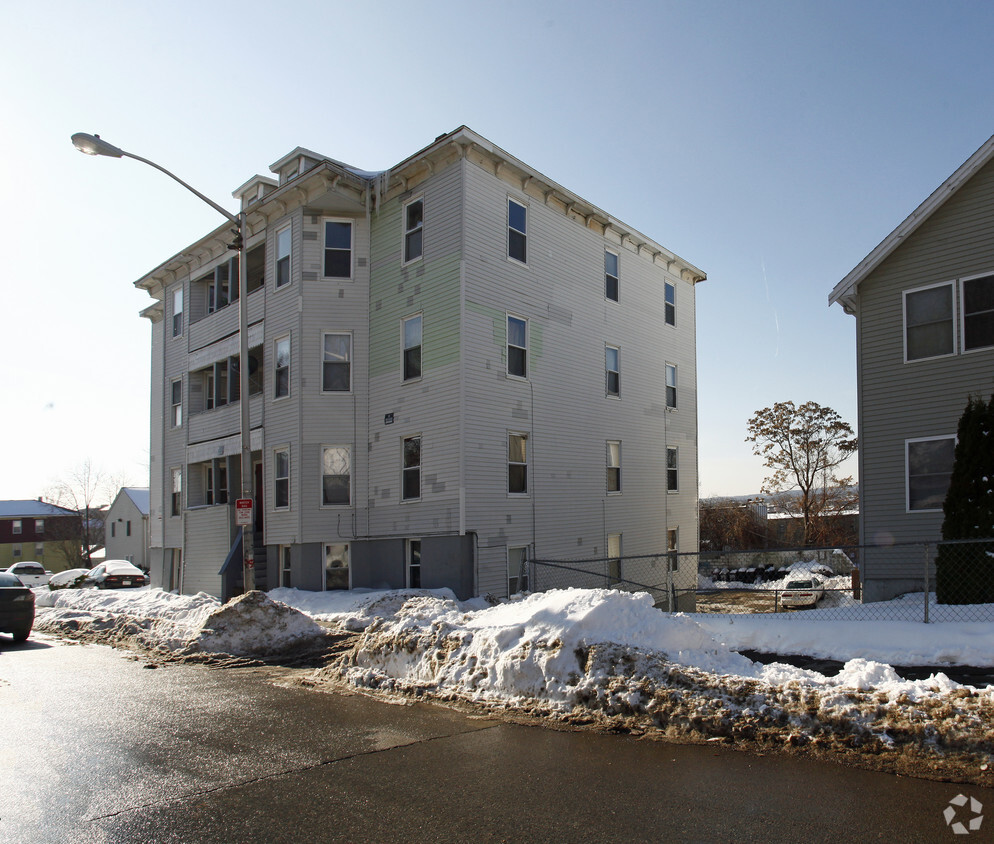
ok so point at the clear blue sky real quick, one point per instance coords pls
(772, 144)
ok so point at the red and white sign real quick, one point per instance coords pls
(243, 512)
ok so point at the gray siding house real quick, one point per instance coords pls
(126, 534)
(924, 307)
(455, 363)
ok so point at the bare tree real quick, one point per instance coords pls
(728, 524)
(88, 492)
(803, 445)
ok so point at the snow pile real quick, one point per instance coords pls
(252, 625)
(355, 609)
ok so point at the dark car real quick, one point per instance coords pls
(17, 607)
(115, 574)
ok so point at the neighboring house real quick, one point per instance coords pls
(454, 364)
(126, 527)
(924, 307)
(36, 530)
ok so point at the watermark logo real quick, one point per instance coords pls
(962, 820)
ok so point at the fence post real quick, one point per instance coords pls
(927, 585)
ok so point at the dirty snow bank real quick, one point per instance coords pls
(252, 625)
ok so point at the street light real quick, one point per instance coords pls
(95, 145)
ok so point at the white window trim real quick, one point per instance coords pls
(324, 550)
(517, 575)
(178, 291)
(289, 367)
(669, 284)
(403, 347)
(289, 478)
(172, 483)
(351, 336)
(617, 278)
(507, 346)
(962, 315)
(276, 259)
(907, 471)
(352, 249)
(676, 469)
(405, 231)
(607, 392)
(407, 562)
(507, 230)
(173, 405)
(608, 466)
(527, 464)
(322, 505)
(904, 322)
(676, 385)
(421, 464)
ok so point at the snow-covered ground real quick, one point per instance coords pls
(598, 656)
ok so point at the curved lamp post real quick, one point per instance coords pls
(95, 145)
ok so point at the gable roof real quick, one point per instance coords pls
(32, 508)
(138, 495)
(845, 291)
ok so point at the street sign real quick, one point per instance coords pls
(243, 512)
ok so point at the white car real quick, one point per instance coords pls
(802, 593)
(67, 579)
(30, 573)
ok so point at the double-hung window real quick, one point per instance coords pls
(336, 474)
(517, 347)
(611, 277)
(671, 386)
(411, 338)
(517, 231)
(281, 478)
(337, 249)
(929, 467)
(928, 322)
(177, 402)
(281, 368)
(177, 312)
(411, 469)
(284, 241)
(669, 299)
(614, 466)
(517, 464)
(16, 526)
(612, 369)
(978, 313)
(672, 470)
(336, 364)
(414, 217)
(176, 500)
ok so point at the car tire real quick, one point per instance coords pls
(21, 635)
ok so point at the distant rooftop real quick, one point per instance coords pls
(32, 508)
(139, 495)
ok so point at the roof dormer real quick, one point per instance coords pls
(294, 163)
(254, 190)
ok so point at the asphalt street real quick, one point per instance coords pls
(98, 747)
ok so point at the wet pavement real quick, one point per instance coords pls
(100, 747)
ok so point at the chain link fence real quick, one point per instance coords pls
(924, 582)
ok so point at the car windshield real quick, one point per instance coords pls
(799, 584)
(32, 568)
(8, 580)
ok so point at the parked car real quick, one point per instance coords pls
(17, 607)
(30, 573)
(69, 579)
(802, 593)
(115, 574)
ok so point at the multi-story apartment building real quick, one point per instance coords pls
(454, 364)
(36, 530)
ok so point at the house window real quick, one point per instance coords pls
(284, 241)
(671, 386)
(336, 566)
(209, 484)
(411, 331)
(113, 530)
(414, 563)
(669, 295)
(611, 276)
(127, 528)
(281, 368)
(978, 313)
(614, 466)
(612, 367)
(281, 479)
(928, 322)
(517, 221)
(517, 347)
(177, 400)
(17, 549)
(336, 473)
(336, 365)
(220, 285)
(411, 471)
(517, 571)
(286, 567)
(413, 227)
(39, 526)
(672, 478)
(177, 312)
(672, 549)
(517, 464)
(613, 558)
(39, 551)
(177, 496)
(16, 527)
(929, 467)
(337, 249)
